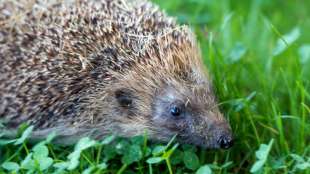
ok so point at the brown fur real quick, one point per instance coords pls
(62, 65)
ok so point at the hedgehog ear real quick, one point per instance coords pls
(124, 97)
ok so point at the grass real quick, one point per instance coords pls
(258, 55)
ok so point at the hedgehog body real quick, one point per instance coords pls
(88, 68)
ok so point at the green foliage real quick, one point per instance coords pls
(191, 160)
(301, 163)
(10, 166)
(261, 155)
(204, 170)
(258, 56)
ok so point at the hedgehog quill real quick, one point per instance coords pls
(89, 68)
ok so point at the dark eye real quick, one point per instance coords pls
(124, 98)
(175, 111)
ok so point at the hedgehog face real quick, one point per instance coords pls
(191, 113)
(175, 106)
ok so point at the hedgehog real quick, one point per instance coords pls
(95, 67)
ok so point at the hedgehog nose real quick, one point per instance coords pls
(225, 141)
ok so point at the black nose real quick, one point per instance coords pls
(225, 142)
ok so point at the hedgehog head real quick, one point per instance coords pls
(169, 93)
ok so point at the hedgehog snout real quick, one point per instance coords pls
(225, 141)
(224, 138)
(221, 134)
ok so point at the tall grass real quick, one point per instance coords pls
(258, 55)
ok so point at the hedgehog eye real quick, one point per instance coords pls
(123, 97)
(175, 111)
